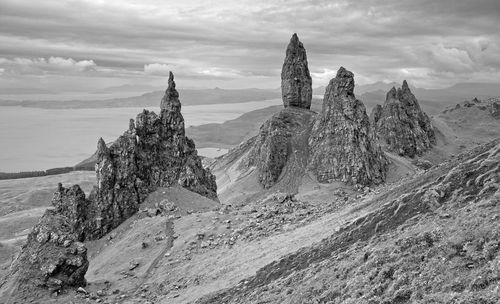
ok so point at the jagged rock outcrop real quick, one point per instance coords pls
(165, 155)
(52, 259)
(296, 82)
(402, 125)
(72, 203)
(342, 144)
(495, 108)
(279, 137)
(282, 138)
(152, 153)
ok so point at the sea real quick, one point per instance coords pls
(39, 139)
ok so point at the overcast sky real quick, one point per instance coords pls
(91, 44)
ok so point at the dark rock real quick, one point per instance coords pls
(494, 107)
(468, 104)
(282, 141)
(154, 152)
(72, 203)
(422, 164)
(402, 125)
(51, 260)
(342, 144)
(296, 82)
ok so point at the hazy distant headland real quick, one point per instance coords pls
(189, 97)
(369, 93)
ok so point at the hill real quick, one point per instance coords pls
(432, 239)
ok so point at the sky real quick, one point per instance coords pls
(86, 45)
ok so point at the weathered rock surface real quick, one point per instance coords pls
(342, 144)
(154, 152)
(282, 138)
(72, 203)
(296, 82)
(51, 260)
(402, 125)
(494, 107)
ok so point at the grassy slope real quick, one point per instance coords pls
(435, 239)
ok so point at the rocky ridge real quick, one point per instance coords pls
(491, 105)
(342, 143)
(401, 124)
(152, 153)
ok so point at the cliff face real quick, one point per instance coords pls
(296, 82)
(152, 153)
(342, 144)
(402, 125)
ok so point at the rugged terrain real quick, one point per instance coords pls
(401, 124)
(431, 239)
(152, 153)
(307, 209)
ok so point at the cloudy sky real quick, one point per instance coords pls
(80, 45)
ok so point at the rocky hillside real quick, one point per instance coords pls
(488, 105)
(432, 239)
(337, 144)
(152, 153)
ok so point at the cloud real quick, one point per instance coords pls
(158, 69)
(40, 66)
(245, 40)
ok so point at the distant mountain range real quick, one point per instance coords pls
(23, 91)
(370, 94)
(187, 97)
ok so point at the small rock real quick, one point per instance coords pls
(133, 265)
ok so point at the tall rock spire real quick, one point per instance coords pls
(342, 145)
(170, 100)
(296, 82)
